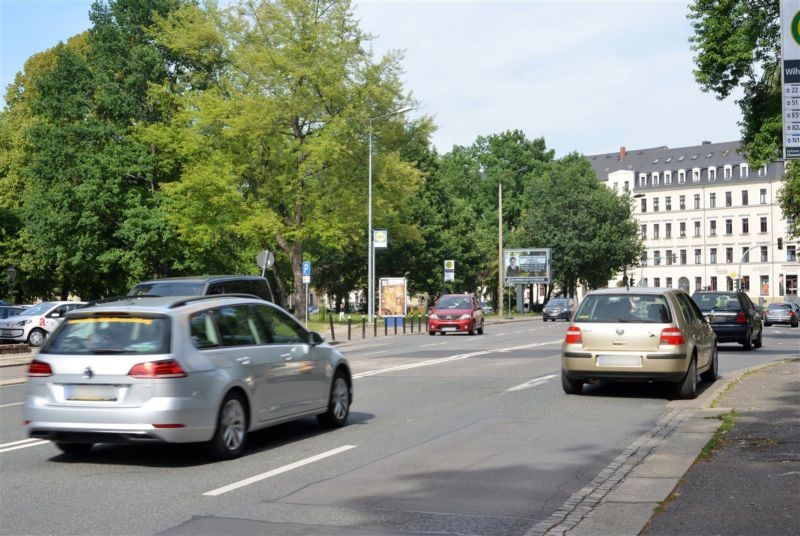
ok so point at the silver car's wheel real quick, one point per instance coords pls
(229, 439)
(338, 404)
(36, 337)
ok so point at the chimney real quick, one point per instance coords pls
(622, 153)
(706, 142)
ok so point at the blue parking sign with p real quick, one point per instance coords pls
(306, 267)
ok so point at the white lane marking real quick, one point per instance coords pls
(9, 405)
(378, 352)
(500, 334)
(451, 358)
(29, 440)
(279, 470)
(531, 383)
(26, 445)
(434, 344)
(366, 348)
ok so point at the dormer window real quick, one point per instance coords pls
(667, 177)
(696, 175)
(654, 176)
(642, 179)
(744, 171)
(712, 173)
(727, 172)
(681, 176)
(762, 171)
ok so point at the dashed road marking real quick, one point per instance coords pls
(23, 444)
(531, 383)
(9, 405)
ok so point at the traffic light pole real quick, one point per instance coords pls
(779, 243)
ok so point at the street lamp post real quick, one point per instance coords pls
(370, 247)
(11, 274)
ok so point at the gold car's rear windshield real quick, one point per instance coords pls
(628, 308)
(110, 335)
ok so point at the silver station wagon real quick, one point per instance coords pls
(193, 369)
(639, 334)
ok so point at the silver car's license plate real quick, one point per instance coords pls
(619, 361)
(91, 393)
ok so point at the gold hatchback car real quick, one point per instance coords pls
(639, 334)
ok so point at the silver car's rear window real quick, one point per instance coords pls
(629, 308)
(110, 335)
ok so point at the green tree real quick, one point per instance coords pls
(737, 47)
(274, 148)
(589, 228)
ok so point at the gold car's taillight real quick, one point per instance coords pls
(672, 336)
(573, 335)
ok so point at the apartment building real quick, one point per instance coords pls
(706, 218)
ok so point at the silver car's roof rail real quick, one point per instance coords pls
(185, 301)
(117, 298)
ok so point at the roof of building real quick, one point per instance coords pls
(666, 159)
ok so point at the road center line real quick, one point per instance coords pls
(531, 383)
(279, 470)
(433, 344)
(378, 352)
(25, 443)
(9, 405)
(451, 358)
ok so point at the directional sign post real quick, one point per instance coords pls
(790, 77)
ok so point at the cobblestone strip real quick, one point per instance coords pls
(582, 502)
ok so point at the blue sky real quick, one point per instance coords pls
(588, 76)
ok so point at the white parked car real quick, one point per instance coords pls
(35, 324)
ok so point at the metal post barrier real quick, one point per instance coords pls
(333, 335)
(363, 327)
(375, 327)
(385, 327)
(405, 320)
(395, 325)
(349, 326)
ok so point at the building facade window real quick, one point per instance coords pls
(682, 227)
(728, 227)
(712, 256)
(643, 228)
(696, 201)
(763, 224)
(655, 204)
(697, 256)
(744, 171)
(728, 199)
(698, 283)
(682, 202)
(681, 176)
(642, 179)
(745, 254)
(762, 196)
(667, 177)
(745, 201)
(683, 256)
(745, 283)
(762, 171)
(712, 231)
(669, 282)
(712, 173)
(764, 285)
(669, 257)
(668, 203)
(791, 253)
(713, 283)
(729, 283)
(764, 254)
(712, 201)
(696, 175)
(643, 204)
(657, 258)
(657, 282)
(696, 228)
(728, 171)
(654, 178)
(729, 255)
(655, 230)
(745, 226)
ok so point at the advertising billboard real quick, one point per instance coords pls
(392, 296)
(526, 265)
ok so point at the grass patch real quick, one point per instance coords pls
(728, 420)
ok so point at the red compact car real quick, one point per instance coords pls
(456, 312)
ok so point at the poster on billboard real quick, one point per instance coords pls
(526, 265)
(392, 296)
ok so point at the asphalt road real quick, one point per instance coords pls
(448, 434)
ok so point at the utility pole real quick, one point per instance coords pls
(500, 247)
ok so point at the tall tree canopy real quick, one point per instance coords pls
(737, 47)
(273, 146)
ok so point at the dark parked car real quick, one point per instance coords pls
(732, 315)
(206, 285)
(780, 313)
(558, 308)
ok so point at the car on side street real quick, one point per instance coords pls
(558, 309)
(34, 324)
(781, 313)
(204, 286)
(733, 317)
(639, 334)
(181, 370)
(456, 313)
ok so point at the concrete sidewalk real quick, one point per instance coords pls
(750, 485)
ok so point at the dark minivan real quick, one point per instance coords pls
(204, 286)
(732, 315)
